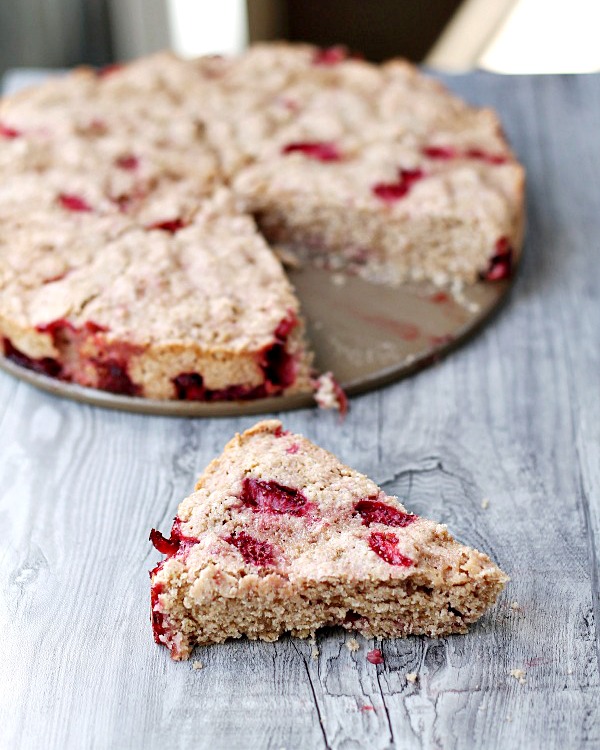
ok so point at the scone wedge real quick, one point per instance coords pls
(203, 314)
(279, 536)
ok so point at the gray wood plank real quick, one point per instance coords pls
(513, 417)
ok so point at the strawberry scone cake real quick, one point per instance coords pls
(279, 536)
(137, 204)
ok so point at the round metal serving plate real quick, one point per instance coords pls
(367, 334)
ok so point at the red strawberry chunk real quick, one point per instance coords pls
(410, 176)
(330, 55)
(129, 162)
(319, 150)
(385, 545)
(9, 133)
(440, 152)
(501, 263)
(177, 543)
(342, 399)
(374, 511)
(477, 153)
(157, 618)
(279, 367)
(190, 387)
(44, 365)
(393, 191)
(108, 70)
(375, 656)
(93, 327)
(62, 327)
(170, 225)
(449, 152)
(390, 191)
(57, 328)
(165, 546)
(113, 377)
(271, 497)
(254, 551)
(286, 326)
(72, 202)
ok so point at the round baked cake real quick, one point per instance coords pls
(140, 204)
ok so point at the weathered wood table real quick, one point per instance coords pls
(513, 417)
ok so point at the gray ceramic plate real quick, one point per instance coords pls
(367, 334)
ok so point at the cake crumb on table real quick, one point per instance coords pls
(519, 675)
(329, 394)
(411, 677)
(485, 503)
(515, 606)
(314, 650)
(197, 665)
(352, 645)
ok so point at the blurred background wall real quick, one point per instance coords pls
(56, 33)
(378, 30)
(511, 36)
(61, 33)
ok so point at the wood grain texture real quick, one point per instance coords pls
(513, 417)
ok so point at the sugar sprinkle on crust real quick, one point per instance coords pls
(300, 554)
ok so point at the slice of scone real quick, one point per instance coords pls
(280, 536)
(201, 311)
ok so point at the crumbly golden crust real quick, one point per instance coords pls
(280, 536)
